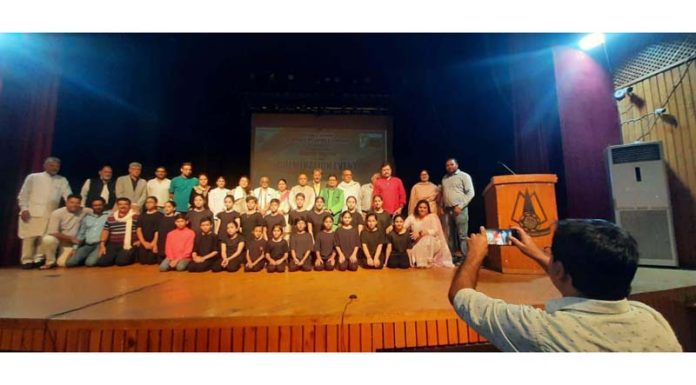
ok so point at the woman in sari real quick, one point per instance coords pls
(425, 190)
(430, 248)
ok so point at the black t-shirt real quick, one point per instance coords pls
(257, 248)
(324, 243)
(400, 242)
(149, 224)
(301, 243)
(272, 220)
(317, 220)
(195, 217)
(166, 225)
(372, 239)
(233, 243)
(205, 244)
(347, 240)
(277, 249)
(294, 215)
(356, 219)
(249, 221)
(225, 218)
(384, 219)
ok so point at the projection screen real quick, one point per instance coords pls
(283, 145)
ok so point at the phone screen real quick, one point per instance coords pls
(499, 237)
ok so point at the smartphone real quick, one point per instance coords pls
(500, 237)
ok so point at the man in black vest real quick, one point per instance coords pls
(103, 186)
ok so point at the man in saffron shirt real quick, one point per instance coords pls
(391, 189)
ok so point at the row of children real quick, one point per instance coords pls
(314, 239)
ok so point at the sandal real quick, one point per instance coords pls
(47, 266)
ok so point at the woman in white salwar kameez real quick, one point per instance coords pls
(430, 248)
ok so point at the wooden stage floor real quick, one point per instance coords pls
(137, 308)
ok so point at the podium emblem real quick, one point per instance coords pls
(529, 214)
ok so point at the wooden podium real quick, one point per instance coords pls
(527, 201)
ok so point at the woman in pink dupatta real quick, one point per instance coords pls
(425, 190)
(430, 248)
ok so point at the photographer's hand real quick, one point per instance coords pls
(526, 244)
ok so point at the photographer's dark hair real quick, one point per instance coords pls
(601, 257)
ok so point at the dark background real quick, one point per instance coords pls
(164, 99)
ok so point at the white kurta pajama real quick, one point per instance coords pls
(40, 195)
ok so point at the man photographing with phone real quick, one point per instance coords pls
(592, 263)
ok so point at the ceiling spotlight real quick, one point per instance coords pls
(620, 94)
(592, 40)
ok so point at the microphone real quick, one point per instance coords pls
(506, 167)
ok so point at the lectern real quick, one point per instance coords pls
(527, 201)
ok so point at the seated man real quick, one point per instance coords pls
(61, 232)
(592, 263)
(119, 237)
(89, 235)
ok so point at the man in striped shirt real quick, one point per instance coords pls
(119, 239)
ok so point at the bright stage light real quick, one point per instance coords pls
(592, 40)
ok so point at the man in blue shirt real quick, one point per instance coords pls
(91, 226)
(180, 188)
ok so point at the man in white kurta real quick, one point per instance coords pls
(39, 196)
(350, 188)
(265, 194)
(304, 188)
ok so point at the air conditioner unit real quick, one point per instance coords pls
(642, 206)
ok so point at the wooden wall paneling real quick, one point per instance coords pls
(202, 340)
(285, 339)
(308, 338)
(153, 340)
(226, 339)
(354, 341)
(411, 340)
(442, 332)
(214, 340)
(297, 337)
(273, 339)
(452, 332)
(332, 336)
(320, 338)
(177, 340)
(166, 340)
(249, 339)
(377, 336)
(365, 337)
(400, 335)
(388, 330)
(189, 340)
(431, 328)
(261, 339)
(37, 343)
(679, 143)
(141, 340)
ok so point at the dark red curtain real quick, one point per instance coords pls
(589, 123)
(535, 112)
(29, 82)
(564, 118)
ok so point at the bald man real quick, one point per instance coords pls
(264, 194)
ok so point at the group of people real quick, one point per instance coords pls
(184, 224)
(187, 224)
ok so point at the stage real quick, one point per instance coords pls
(137, 308)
